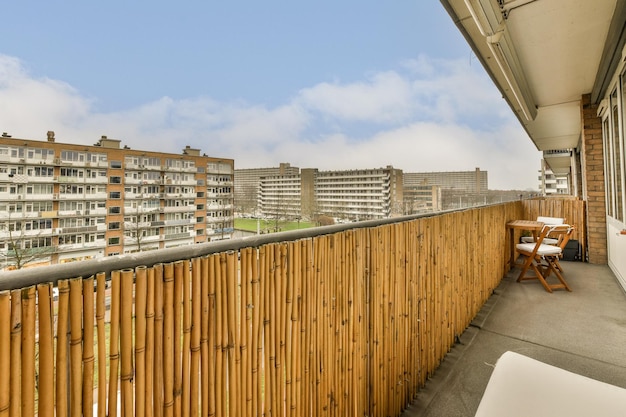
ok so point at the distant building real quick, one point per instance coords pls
(288, 192)
(469, 181)
(67, 202)
(359, 194)
(247, 183)
(550, 183)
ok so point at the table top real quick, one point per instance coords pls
(525, 224)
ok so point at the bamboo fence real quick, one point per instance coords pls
(351, 323)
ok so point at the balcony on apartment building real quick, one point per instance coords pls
(367, 318)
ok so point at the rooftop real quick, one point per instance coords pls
(583, 331)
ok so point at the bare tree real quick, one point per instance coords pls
(26, 242)
(246, 200)
(135, 224)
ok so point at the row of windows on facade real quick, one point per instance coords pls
(44, 154)
(78, 173)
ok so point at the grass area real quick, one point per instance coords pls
(268, 226)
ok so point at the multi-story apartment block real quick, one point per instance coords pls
(62, 202)
(247, 183)
(350, 195)
(360, 194)
(280, 196)
(551, 183)
(469, 181)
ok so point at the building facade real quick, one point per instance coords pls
(247, 185)
(63, 202)
(348, 195)
(470, 181)
(551, 183)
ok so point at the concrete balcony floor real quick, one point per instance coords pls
(583, 331)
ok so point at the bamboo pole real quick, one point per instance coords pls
(150, 330)
(177, 337)
(100, 312)
(88, 342)
(274, 361)
(246, 320)
(186, 349)
(266, 389)
(141, 289)
(28, 352)
(46, 352)
(256, 345)
(16, 349)
(229, 276)
(168, 340)
(62, 362)
(206, 343)
(114, 334)
(76, 346)
(281, 333)
(219, 293)
(5, 353)
(196, 320)
(158, 395)
(126, 341)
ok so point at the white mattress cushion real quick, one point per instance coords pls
(521, 387)
(543, 249)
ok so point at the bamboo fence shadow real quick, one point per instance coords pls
(347, 323)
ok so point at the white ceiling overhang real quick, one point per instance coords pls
(543, 55)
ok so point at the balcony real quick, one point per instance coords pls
(582, 331)
(358, 319)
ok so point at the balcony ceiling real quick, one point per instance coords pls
(544, 53)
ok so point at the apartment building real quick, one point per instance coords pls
(280, 196)
(551, 183)
(347, 195)
(63, 202)
(247, 183)
(360, 194)
(469, 181)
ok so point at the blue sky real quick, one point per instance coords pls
(331, 85)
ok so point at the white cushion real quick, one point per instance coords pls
(521, 387)
(550, 220)
(543, 249)
(546, 240)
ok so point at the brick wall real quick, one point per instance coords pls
(593, 172)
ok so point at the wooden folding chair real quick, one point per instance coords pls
(544, 259)
(550, 221)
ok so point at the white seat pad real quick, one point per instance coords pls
(543, 249)
(521, 387)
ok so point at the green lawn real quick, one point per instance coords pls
(268, 226)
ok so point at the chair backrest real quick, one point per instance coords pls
(550, 220)
(562, 232)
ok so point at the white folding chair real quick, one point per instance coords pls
(543, 258)
(550, 221)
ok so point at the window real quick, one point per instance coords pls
(115, 210)
(116, 164)
(115, 195)
(114, 241)
(114, 226)
(115, 180)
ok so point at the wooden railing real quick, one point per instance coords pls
(348, 323)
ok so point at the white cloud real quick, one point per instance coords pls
(430, 115)
(384, 97)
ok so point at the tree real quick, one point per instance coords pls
(135, 224)
(26, 242)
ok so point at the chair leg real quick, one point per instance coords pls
(535, 264)
(525, 267)
(554, 265)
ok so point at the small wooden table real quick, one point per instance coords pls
(531, 225)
